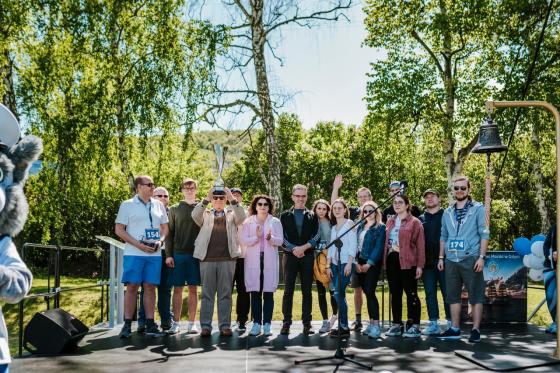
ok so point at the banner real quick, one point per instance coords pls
(506, 289)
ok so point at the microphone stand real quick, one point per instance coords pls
(339, 353)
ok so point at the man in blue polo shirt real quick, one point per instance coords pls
(142, 224)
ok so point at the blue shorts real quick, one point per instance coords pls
(141, 269)
(186, 271)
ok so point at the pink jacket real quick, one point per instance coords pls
(248, 238)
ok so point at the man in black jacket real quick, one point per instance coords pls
(301, 234)
(431, 222)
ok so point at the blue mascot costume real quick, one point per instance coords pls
(16, 156)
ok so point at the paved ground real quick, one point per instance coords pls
(503, 347)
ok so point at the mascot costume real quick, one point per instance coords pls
(16, 156)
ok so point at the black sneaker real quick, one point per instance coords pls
(450, 334)
(126, 331)
(141, 328)
(475, 336)
(153, 331)
(308, 329)
(357, 326)
(344, 333)
(165, 326)
(285, 329)
(241, 326)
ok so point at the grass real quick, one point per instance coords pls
(85, 305)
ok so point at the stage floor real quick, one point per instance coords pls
(503, 347)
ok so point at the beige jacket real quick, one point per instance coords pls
(235, 215)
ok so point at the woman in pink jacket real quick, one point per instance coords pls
(261, 234)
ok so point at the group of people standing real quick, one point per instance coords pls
(191, 244)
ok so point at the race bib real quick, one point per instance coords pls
(458, 245)
(152, 234)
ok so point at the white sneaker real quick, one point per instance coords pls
(325, 328)
(332, 320)
(266, 330)
(191, 328)
(432, 329)
(175, 328)
(375, 332)
(367, 330)
(256, 329)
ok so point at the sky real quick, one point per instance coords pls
(323, 67)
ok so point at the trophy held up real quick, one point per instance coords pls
(220, 152)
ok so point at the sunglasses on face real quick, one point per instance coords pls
(368, 211)
(265, 204)
(218, 198)
(150, 185)
(161, 196)
(457, 188)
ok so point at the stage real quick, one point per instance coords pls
(505, 347)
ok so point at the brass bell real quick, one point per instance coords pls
(489, 140)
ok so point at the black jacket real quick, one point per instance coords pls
(432, 232)
(549, 247)
(309, 229)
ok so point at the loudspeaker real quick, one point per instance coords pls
(53, 332)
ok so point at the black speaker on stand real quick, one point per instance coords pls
(53, 332)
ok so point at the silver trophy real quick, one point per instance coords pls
(220, 159)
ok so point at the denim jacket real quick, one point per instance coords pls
(472, 230)
(372, 247)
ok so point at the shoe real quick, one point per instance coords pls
(449, 324)
(357, 326)
(551, 329)
(266, 330)
(308, 329)
(375, 332)
(126, 331)
(475, 336)
(325, 327)
(256, 329)
(191, 328)
(332, 320)
(395, 331)
(241, 327)
(450, 334)
(205, 332)
(343, 332)
(166, 325)
(141, 328)
(285, 329)
(432, 329)
(153, 331)
(368, 329)
(174, 328)
(226, 332)
(412, 332)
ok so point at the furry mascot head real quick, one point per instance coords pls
(16, 156)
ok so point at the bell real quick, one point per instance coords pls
(489, 138)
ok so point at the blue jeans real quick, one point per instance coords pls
(431, 277)
(341, 296)
(163, 297)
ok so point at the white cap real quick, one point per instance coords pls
(9, 127)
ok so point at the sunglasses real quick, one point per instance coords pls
(265, 204)
(220, 198)
(368, 211)
(161, 196)
(151, 185)
(189, 188)
(456, 188)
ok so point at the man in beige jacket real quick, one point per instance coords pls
(217, 249)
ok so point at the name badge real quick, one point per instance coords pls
(152, 234)
(458, 245)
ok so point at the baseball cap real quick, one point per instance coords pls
(430, 190)
(236, 190)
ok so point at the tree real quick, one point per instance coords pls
(252, 25)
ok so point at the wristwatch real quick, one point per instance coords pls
(483, 257)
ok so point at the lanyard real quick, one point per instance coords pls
(149, 206)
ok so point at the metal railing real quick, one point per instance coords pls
(54, 269)
(116, 288)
